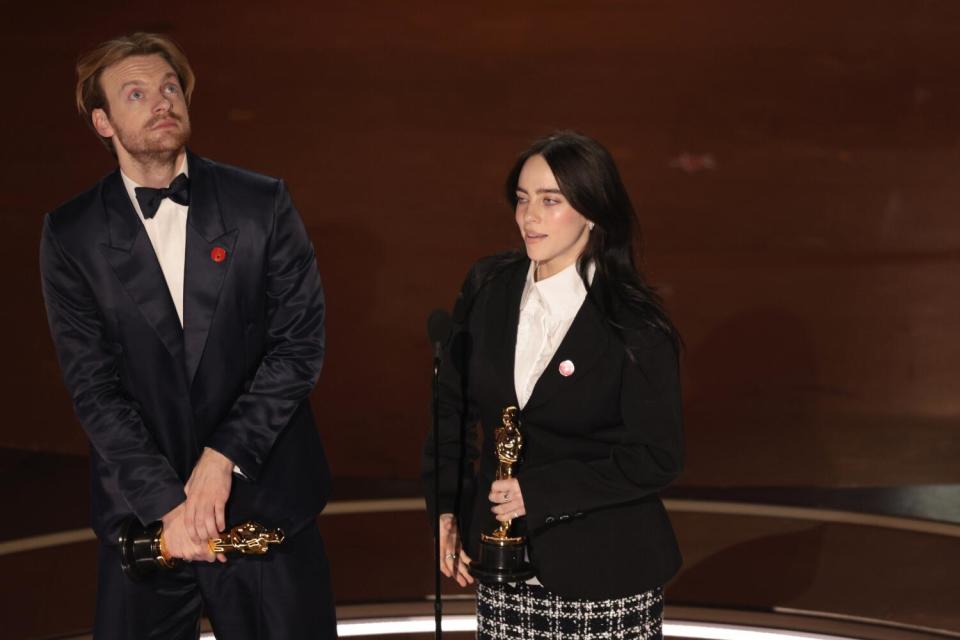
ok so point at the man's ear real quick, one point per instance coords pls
(101, 122)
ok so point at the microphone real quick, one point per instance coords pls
(439, 325)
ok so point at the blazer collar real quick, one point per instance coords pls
(505, 314)
(123, 223)
(134, 261)
(209, 255)
(205, 216)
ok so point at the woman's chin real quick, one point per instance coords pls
(536, 254)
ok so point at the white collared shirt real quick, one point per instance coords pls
(547, 309)
(167, 231)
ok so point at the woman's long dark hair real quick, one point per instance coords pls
(588, 178)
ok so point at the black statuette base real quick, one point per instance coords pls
(139, 549)
(500, 563)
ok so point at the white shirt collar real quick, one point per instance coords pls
(561, 294)
(130, 185)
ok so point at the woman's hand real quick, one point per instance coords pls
(454, 561)
(507, 500)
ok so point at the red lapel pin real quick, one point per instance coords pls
(566, 368)
(218, 254)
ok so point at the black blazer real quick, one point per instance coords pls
(235, 378)
(598, 445)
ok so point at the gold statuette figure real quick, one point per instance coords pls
(249, 538)
(143, 551)
(502, 556)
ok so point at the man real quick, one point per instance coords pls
(188, 317)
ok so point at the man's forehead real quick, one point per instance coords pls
(138, 68)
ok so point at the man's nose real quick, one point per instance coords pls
(162, 104)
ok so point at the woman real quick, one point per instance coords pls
(571, 334)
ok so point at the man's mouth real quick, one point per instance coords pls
(165, 123)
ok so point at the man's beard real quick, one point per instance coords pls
(154, 149)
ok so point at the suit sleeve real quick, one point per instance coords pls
(457, 418)
(295, 345)
(90, 364)
(648, 457)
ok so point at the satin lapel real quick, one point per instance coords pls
(505, 314)
(584, 344)
(209, 255)
(135, 264)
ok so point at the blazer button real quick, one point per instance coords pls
(564, 517)
(578, 514)
(549, 519)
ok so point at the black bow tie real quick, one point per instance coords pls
(149, 198)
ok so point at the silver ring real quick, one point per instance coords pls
(515, 515)
(450, 555)
(506, 496)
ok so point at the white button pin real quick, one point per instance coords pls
(566, 368)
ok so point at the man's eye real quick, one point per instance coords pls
(172, 88)
(136, 95)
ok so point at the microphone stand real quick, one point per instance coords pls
(437, 603)
(438, 328)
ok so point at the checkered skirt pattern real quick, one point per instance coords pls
(530, 612)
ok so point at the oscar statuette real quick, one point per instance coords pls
(143, 553)
(502, 556)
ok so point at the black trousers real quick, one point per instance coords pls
(285, 594)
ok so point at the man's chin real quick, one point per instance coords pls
(161, 148)
(154, 153)
(169, 139)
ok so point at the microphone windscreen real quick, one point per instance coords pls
(439, 324)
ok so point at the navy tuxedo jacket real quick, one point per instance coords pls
(150, 394)
(599, 444)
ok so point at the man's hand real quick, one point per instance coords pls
(177, 542)
(207, 491)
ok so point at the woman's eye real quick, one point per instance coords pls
(550, 201)
(521, 200)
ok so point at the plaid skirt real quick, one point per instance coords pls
(530, 612)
